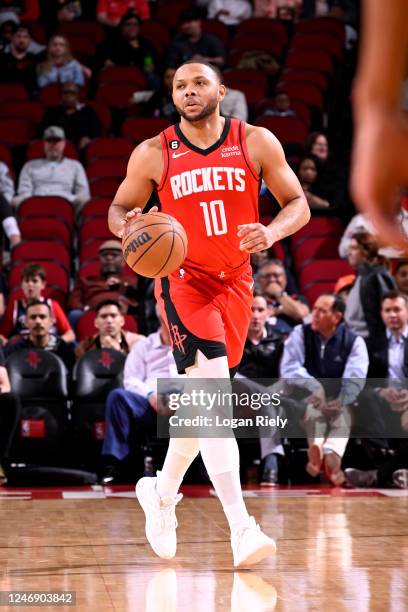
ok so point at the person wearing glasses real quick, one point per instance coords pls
(286, 309)
(54, 174)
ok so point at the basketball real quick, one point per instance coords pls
(154, 245)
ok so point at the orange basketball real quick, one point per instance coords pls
(154, 245)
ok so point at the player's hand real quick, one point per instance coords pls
(131, 215)
(380, 170)
(255, 237)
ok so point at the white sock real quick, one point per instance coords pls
(180, 455)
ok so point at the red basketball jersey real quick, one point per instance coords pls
(210, 191)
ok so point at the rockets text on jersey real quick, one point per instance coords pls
(210, 191)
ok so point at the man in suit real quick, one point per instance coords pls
(383, 407)
(329, 363)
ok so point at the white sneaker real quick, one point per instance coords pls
(250, 545)
(161, 522)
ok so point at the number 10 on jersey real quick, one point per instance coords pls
(214, 217)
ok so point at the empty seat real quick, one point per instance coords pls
(53, 207)
(307, 93)
(219, 29)
(318, 40)
(102, 148)
(257, 42)
(97, 229)
(320, 247)
(41, 228)
(138, 128)
(306, 76)
(50, 95)
(13, 91)
(106, 168)
(88, 29)
(16, 131)
(97, 207)
(319, 226)
(5, 155)
(287, 129)
(104, 187)
(322, 270)
(104, 115)
(324, 25)
(115, 95)
(23, 109)
(123, 74)
(41, 250)
(263, 25)
(233, 78)
(310, 59)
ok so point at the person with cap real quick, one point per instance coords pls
(343, 285)
(115, 281)
(54, 174)
(194, 44)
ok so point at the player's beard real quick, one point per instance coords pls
(206, 111)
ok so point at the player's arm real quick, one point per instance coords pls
(268, 158)
(143, 173)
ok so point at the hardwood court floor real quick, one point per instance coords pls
(336, 552)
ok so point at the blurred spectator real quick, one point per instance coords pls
(54, 174)
(79, 121)
(110, 12)
(7, 30)
(373, 280)
(401, 276)
(33, 284)
(273, 8)
(18, 63)
(329, 362)
(19, 10)
(109, 322)
(285, 310)
(136, 404)
(8, 221)
(230, 12)
(39, 322)
(234, 105)
(159, 103)
(194, 44)
(59, 65)
(307, 174)
(9, 416)
(125, 47)
(113, 282)
(257, 259)
(362, 223)
(332, 177)
(383, 407)
(261, 359)
(68, 10)
(343, 286)
(281, 106)
(33, 46)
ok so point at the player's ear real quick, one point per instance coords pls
(222, 90)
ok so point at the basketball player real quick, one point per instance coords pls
(206, 170)
(380, 159)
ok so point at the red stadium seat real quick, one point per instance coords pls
(85, 326)
(305, 92)
(306, 76)
(5, 155)
(234, 78)
(97, 229)
(324, 25)
(38, 32)
(321, 247)
(155, 30)
(168, 13)
(53, 207)
(310, 59)
(318, 40)
(253, 93)
(219, 29)
(263, 25)
(287, 129)
(319, 226)
(83, 49)
(138, 128)
(107, 168)
(316, 289)
(87, 29)
(41, 228)
(123, 74)
(323, 270)
(103, 148)
(41, 250)
(35, 150)
(115, 95)
(50, 95)
(104, 187)
(13, 91)
(97, 207)
(90, 250)
(57, 276)
(104, 115)
(257, 42)
(32, 111)
(16, 131)
(90, 268)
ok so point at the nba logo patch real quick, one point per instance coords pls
(174, 144)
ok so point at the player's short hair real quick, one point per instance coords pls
(33, 270)
(394, 294)
(214, 68)
(108, 302)
(32, 303)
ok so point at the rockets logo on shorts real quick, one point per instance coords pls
(178, 339)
